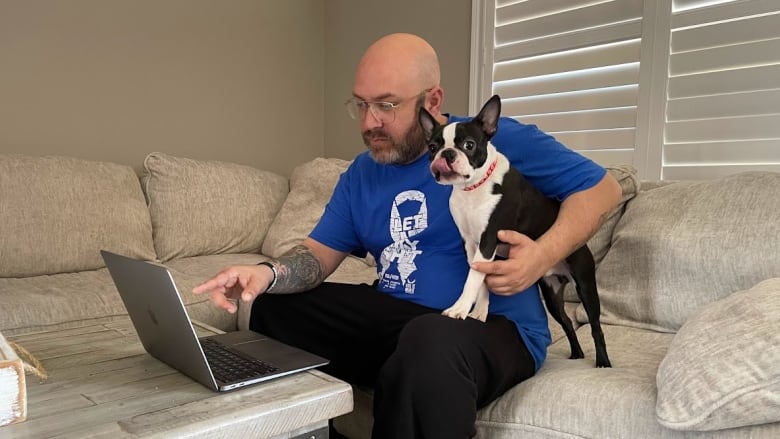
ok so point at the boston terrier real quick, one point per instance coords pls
(489, 195)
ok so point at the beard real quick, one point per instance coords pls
(395, 151)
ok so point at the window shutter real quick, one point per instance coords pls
(572, 68)
(682, 89)
(723, 108)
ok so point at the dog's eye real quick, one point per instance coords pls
(468, 145)
(432, 146)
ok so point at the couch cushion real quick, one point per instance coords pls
(723, 366)
(203, 207)
(682, 246)
(311, 185)
(601, 241)
(57, 213)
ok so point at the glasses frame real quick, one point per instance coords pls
(383, 111)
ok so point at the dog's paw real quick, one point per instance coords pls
(456, 312)
(479, 314)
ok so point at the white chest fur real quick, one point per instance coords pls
(471, 209)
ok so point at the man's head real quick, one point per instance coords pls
(402, 70)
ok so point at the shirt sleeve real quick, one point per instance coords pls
(336, 228)
(553, 168)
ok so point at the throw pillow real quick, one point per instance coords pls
(722, 369)
(201, 207)
(311, 185)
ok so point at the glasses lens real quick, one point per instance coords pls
(352, 109)
(381, 111)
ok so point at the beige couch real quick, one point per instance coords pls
(689, 277)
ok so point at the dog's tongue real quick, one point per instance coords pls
(441, 166)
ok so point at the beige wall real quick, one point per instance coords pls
(259, 82)
(351, 25)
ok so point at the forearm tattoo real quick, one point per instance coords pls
(298, 270)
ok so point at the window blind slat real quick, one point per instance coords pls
(738, 128)
(725, 105)
(724, 11)
(584, 120)
(612, 54)
(562, 102)
(528, 9)
(725, 58)
(557, 43)
(729, 81)
(726, 33)
(743, 151)
(593, 16)
(709, 172)
(613, 76)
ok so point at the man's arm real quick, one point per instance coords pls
(305, 266)
(301, 268)
(580, 216)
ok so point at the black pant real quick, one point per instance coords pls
(430, 373)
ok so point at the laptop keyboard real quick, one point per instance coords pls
(230, 366)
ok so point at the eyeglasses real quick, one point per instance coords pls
(382, 111)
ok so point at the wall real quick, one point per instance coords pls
(351, 26)
(114, 80)
(260, 82)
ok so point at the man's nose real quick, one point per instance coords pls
(370, 120)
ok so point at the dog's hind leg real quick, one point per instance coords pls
(583, 272)
(552, 291)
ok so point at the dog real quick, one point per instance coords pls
(489, 195)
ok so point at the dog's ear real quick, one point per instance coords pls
(427, 122)
(488, 115)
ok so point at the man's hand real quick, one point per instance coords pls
(526, 264)
(243, 282)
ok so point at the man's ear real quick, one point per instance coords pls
(488, 115)
(427, 122)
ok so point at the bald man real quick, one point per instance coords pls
(430, 373)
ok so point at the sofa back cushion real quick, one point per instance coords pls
(57, 213)
(682, 246)
(311, 186)
(201, 207)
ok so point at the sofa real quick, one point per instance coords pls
(688, 273)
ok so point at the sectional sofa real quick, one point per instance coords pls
(689, 276)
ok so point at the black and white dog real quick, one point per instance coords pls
(489, 195)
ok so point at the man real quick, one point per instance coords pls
(430, 373)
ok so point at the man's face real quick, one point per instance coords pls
(397, 140)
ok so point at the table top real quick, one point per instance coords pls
(103, 384)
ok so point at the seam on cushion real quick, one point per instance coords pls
(528, 427)
(147, 181)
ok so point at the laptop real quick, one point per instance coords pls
(220, 362)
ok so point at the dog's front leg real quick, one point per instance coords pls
(474, 291)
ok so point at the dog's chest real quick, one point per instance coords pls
(471, 210)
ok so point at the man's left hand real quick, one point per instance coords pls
(526, 264)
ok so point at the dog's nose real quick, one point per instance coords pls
(449, 154)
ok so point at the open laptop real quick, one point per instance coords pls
(220, 362)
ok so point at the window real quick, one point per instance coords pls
(681, 89)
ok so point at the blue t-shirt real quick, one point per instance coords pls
(401, 215)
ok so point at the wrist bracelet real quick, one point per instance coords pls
(273, 270)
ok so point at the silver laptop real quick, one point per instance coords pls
(220, 362)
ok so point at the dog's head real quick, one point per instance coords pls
(458, 151)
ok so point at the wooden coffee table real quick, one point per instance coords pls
(102, 384)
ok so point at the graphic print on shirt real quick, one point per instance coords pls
(406, 221)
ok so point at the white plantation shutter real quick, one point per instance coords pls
(723, 108)
(681, 89)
